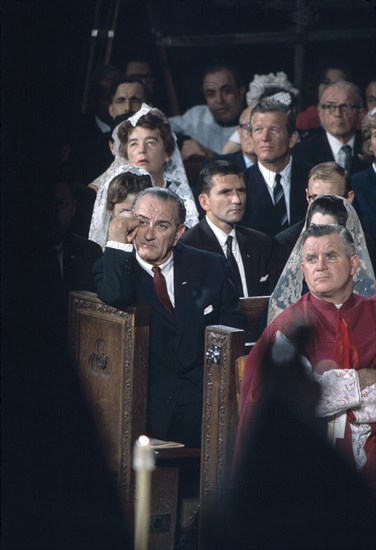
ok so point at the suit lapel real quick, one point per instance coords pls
(325, 151)
(210, 240)
(298, 203)
(249, 268)
(182, 288)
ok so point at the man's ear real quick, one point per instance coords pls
(306, 194)
(293, 139)
(320, 112)
(354, 264)
(203, 200)
(361, 113)
(111, 110)
(179, 233)
(242, 90)
(350, 196)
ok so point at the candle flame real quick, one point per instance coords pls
(143, 440)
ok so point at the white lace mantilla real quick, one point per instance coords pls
(290, 284)
(174, 174)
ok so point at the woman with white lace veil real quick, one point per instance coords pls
(325, 209)
(169, 166)
(146, 139)
(134, 180)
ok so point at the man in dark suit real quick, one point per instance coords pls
(364, 183)
(327, 178)
(88, 140)
(66, 259)
(223, 196)
(246, 157)
(275, 185)
(191, 290)
(75, 255)
(340, 109)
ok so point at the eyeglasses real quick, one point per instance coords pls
(344, 108)
(246, 128)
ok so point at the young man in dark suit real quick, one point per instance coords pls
(340, 110)
(276, 184)
(191, 290)
(327, 178)
(223, 197)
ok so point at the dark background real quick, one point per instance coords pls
(46, 43)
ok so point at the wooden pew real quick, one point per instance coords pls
(110, 349)
(220, 413)
(253, 308)
(226, 353)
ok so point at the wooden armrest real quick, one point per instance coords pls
(239, 371)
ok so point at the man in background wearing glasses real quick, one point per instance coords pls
(340, 109)
(246, 156)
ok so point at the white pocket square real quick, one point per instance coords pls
(264, 278)
(208, 309)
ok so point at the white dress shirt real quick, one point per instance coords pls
(269, 178)
(222, 238)
(167, 268)
(336, 145)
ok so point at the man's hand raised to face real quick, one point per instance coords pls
(123, 228)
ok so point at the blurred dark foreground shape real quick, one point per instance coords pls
(290, 489)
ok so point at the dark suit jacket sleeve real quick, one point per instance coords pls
(115, 278)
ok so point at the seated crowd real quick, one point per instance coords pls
(279, 208)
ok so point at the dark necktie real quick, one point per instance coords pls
(279, 202)
(346, 156)
(234, 265)
(53, 255)
(160, 288)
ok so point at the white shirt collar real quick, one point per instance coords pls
(269, 175)
(336, 145)
(220, 234)
(102, 125)
(166, 266)
(247, 161)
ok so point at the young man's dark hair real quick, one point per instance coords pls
(216, 167)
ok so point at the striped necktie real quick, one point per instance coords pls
(279, 201)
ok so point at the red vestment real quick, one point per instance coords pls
(340, 389)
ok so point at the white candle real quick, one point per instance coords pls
(143, 463)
